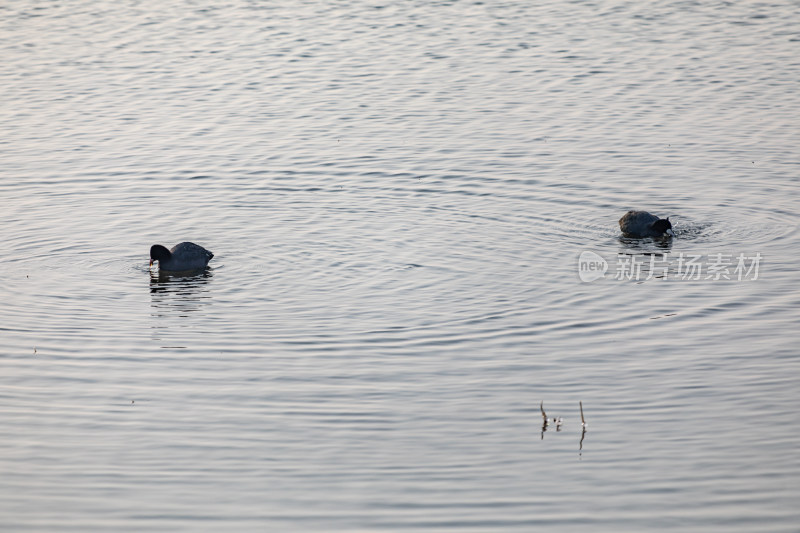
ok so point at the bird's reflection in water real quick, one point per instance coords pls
(645, 246)
(179, 293)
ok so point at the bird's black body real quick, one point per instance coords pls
(183, 256)
(642, 224)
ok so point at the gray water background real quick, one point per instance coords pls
(397, 195)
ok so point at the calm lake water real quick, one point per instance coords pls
(397, 196)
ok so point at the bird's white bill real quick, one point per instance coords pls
(670, 232)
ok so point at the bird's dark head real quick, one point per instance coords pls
(158, 253)
(664, 226)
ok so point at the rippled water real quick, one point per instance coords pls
(397, 196)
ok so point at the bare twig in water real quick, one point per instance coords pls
(583, 420)
(544, 419)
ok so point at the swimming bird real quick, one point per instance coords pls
(642, 224)
(182, 257)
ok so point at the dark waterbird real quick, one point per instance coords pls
(184, 256)
(641, 224)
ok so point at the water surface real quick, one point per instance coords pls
(397, 196)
